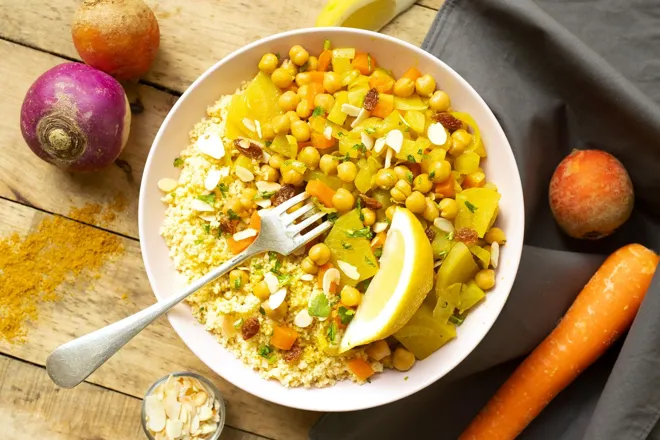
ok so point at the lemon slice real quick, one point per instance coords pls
(363, 14)
(399, 287)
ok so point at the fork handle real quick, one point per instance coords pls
(71, 363)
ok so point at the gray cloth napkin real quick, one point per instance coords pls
(559, 75)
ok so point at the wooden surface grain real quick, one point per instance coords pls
(34, 36)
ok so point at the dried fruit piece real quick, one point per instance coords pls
(466, 235)
(430, 233)
(285, 193)
(448, 121)
(293, 354)
(249, 149)
(371, 100)
(250, 328)
(370, 202)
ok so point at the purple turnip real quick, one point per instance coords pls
(76, 117)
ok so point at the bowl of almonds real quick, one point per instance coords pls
(183, 406)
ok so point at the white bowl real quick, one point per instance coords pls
(223, 78)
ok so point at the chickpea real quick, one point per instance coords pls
(261, 291)
(276, 161)
(425, 85)
(403, 186)
(331, 82)
(303, 79)
(247, 203)
(350, 296)
(495, 235)
(448, 208)
(269, 174)
(485, 279)
(385, 178)
(460, 140)
(268, 63)
(298, 55)
(312, 63)
(248, 193)
(389, 212)
(267, 131)
(308, 266)
(300, 130)
(234, 205)
(386, 81)
(324, 101)
(238, 279)
(440, 101)
(288, 101)
(319, 254)
(278, 313)
(292, 176)
(402, 359)
(369, 216)
(281, 124)
(281, 78)
(293, 117)
(347, 171)
(328, 164)
(431, 212)
(290, 67)
(402, 172)
(303, 110)
(422, 183)
(302, 92)
(439, 171)
(404, 87)
(343, 200)
(416, 202)
(309, 156)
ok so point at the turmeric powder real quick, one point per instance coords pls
(56, 252)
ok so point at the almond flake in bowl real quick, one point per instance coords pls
(183, 406)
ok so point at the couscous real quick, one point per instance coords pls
(365, 146)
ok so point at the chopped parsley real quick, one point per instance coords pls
(346, 158)
(261, 310)
(369, 130)
(332, 217)
(346, 245)
(237, 283)
(346, 315)
(360, 147)
(411, 158)
(199, 241)
(207, 228)
(304, 67)
(264, 195)
(431, 175)
(278, 55)
(266, 352)
(378, 252)
(420, 152)
(272, 256)
(456, 319)
(359, 208)
(320, 306)
(363, 285)
(409, 177)
(232, 215)
(405, 378)
(442, 254)
(268, 143)
(369, 262)
(257, 266)
(318, 111)
(223, 189)
(284, 279)
(450, 236)
(470, 206)
(332, 332)
(340, 134)
(178, 162)
(208, 198)
(360, 233)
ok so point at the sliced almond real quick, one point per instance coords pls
(194, 424)
(171, 404)
(367, 140)
(257, 125)
(245, 233)
(207, 428)
(302, 319)
(272, 282)
(155, 412)
(444, 225)
(349, 270)
(327, 132)
(173, 429)
(207, 218)
(364, 114)
(263, 203)
(212, 180)
(224, 172)
(277, 298)
(395, 140)
(244, 174)
(380, 227)
(167, 185)
(307, 277)
(350, 110)
(331, 275)
(200, 398)
(211, 145)
(183, 415)
(198, 205)
(379, 145)
(494, 254)
(388, 158)
(301, 250)
(249, 124)
(437, 134)
(205, 413)
(265, 157)
(438, 263)
(267, 186)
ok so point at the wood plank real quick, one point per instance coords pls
(33, 407)
(29, 180)
(433, 4)
(194, 35)
(154, 353)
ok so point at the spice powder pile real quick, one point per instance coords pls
(57, 251)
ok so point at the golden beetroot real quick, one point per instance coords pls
(119, 37)
(591, 194)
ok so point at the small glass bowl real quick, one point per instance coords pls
(210, 389)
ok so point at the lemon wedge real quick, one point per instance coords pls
(399, 287)
(363, 14)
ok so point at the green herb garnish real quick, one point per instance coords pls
(409, 177)
(178, 162)
(320, 306)
(442, 254)
(199, 241)
(332, 217)
(237, 283)
(238, 323)
(360, 147)
(284, 279)
(360, 233)
(340, 134)
(450, 236)
(278, 55)
(456, 319)
(207, 228)
(369, 130)
(268, 143)
(405, 378)
(470, 206)
(378, 252)
(411, 158)
(369, 262)
(332, 332)
(223, 189)
(318, 111)
(265, 351)
(257, 266)
(261, 310)
(431, 175)
(264, 195)
(346, 315)
(346, 245)
(272, 256)
(207, 198)
(304, 67)
(232, 215)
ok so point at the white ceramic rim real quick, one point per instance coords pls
(253, 387)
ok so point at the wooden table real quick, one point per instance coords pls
(34, 36)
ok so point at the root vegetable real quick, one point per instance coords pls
(602, 312)
(120, 37)
(76, 118)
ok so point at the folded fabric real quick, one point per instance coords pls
(558, 75)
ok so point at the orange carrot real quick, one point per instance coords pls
(602, 311)
(415, 168)
(319, 141)
(446, 188)
(322, 270)
(382, 83)
(283, 337)
(238, 246)
(321, 191)
(364, 62)
(384, 107)
(324, 60)
(379, 240)
(313, 89)
(413, 73)
(317, 77)
(255, 221)
(360, 368)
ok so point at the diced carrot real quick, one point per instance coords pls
(313, 89)
(322, 270)
(446, 188)
(413, 73)
(283, 337)
(324, 60)
(321, 191)
(317, 77)
(302, 145)
(337, 319)
(361, 368)
(415, 168)
(379, 240)
(382, 82)
(364, 62)
(602, 312)
(293, 87)
(384, 107)
(238, 246)
(255, 221)
(320, 142)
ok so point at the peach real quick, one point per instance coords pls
(119, 37)
(591, 194)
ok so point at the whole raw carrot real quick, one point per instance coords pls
(602, 311)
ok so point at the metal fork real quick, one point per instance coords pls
(73, 362)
